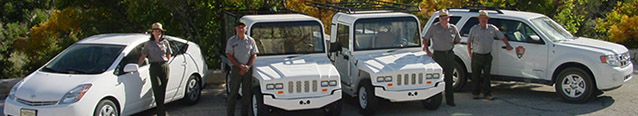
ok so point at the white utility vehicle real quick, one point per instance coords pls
(544, 52)
(379, 55)
(292, 70)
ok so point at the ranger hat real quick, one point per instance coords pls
(444, 13)
(483, 14)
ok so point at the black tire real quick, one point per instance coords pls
(368, 101)
(257, 103)
(580, 86)
(106, 107)
(333, 109)
(461, 74)
(193, 90)
(433, 102)
(228, 85)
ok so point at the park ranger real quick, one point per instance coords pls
(443, 36)
(242, 52)
(480, 48)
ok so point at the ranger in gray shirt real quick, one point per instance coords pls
(480, 48)
(159, 52)
(242, 51)
(443, 36)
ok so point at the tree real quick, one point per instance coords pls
(621, 24)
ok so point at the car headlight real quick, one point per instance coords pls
(13, 91)
(270, 86)
(274, 86)
(384, 79)
(332, 83)
(428, 76)
(610, 59)
(436, 76)
(324, 83)
(75, 94)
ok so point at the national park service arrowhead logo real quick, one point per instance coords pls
(520, 51)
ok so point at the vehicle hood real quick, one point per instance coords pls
(281, 67)
(594, 44)
(43, 86)
(397, 62)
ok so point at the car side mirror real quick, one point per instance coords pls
(536, 39)
(131, 68)
(334, 47)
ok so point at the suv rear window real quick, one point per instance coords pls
(465, 31)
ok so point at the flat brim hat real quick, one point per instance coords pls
(483, 14)
(444, 13)
(157, 26)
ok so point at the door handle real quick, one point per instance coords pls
(346, 57)
(504, 47)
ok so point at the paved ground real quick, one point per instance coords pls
(512, 98)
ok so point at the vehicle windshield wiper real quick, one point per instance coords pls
(300, 54)
(55, 70)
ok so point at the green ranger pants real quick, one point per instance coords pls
(159, 74)
(481, 65)
(246, 81)
(446, 60)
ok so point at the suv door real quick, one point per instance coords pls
(137, 85)
(342, 57)
(528, 58)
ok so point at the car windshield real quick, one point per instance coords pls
(288, 37)
(84, 59)
(382, 33)
(553, 30)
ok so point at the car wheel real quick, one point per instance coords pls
(333, 109)
(574, 85)
(193, 90)
(368, 102)
(459, 77)
(106, 108)
(228, 77)
(433, 102)
(258, 106)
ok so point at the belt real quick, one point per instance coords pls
(482, 54)
(444, 51)
(157, 63)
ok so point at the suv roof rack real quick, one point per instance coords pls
(478, 8)
(369, 5)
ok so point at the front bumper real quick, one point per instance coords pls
(12, 107)
(302, 103)
(610, 78)
(409, 95)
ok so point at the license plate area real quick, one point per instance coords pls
(28, 112)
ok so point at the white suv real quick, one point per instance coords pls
(544, 52)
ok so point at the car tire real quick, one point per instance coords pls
(433, 102)
(574, 85)
(333, 109)
(257, 102)
(228, 86)
(193, 90)
(106, 107)
(368, 101)
(459, 76)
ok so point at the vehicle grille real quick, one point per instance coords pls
(302, 86)
(624, 59)
(409, 79)
(36, 103)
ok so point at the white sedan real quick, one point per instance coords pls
(99, 76)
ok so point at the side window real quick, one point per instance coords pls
(132, 57)
(517, 31)
(465, 31)
(453, 19)
(343, 35)
(178, 48)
